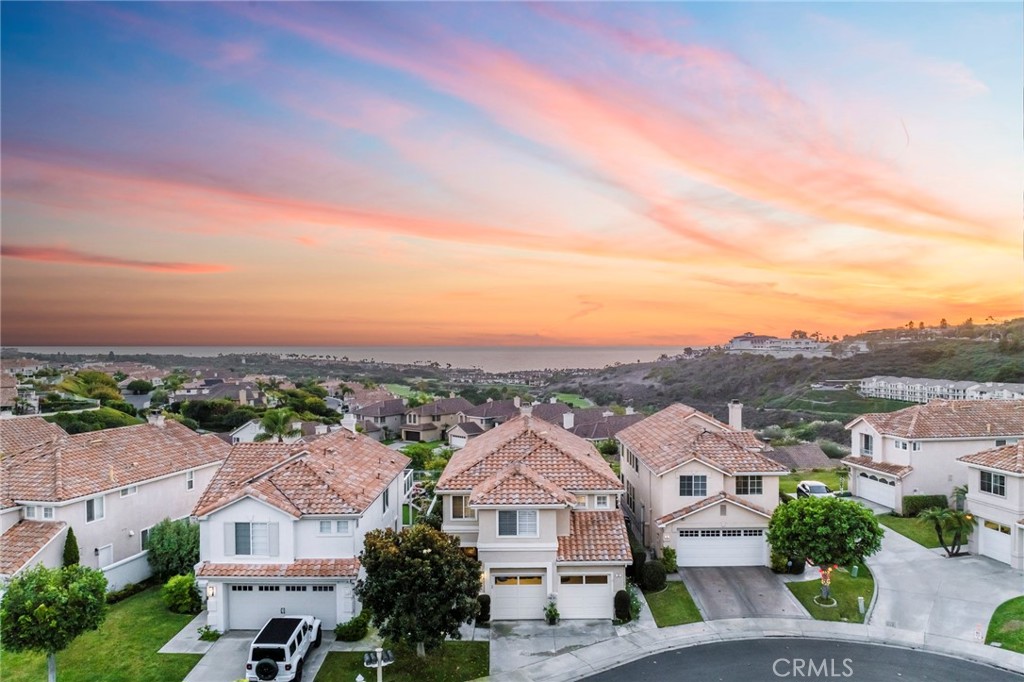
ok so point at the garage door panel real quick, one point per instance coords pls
(995, 540)
(877, 489)
(250, 606)
(518, 596)
(585, 596)
(721, 547)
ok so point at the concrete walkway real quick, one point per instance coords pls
(187, 640)
(723, 592)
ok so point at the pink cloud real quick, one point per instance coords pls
(60, 254)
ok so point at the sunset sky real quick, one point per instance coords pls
(505, 174)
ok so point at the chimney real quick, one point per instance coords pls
(568, 420)
(156, 418)
(516, 401)
(490, 400)
(553, 399)
(451, 394)
(735, 415)
(630, 410)
(525, 410)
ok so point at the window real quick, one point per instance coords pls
(693, 486)
(866, 444)
(386, 497)
(294, 588)
(901, 445)
(130, 490)
(630, 497)
(190, 479)
(252, 539)
(323, 588)
(326, 527)
(601, 502)
(269, 588)
(517, 523)
(749, 485)
(994, 484)
(241, 588)
(581, 501)
(30, 512)
(342, 527)
(48, 513)
(144, 537)
(915, 446)
(631, 460)
(93, 509)
(460, 508)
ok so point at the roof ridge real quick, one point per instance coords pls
(913, 421)
(58, 473)
(277, 465)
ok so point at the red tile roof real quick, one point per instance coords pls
(300, 568)
(951, 419)
(897, 470)
(595, 536)
(1009, 458)
(24, 540)
(339, 473)
(25, 432)
(519, 484)
(708, 502)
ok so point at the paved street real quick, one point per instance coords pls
(741, 592)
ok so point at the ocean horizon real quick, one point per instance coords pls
(486, 358)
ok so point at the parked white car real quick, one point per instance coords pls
(280, 649)
(813, 489)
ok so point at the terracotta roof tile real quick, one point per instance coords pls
(23, 540)
(1008, 458)
(339, 473)
(802, 456)
(897, 470)
(519, 484)
(708, 502)
(595, 536)
(951, 419)
(300, 568)
(20, 434)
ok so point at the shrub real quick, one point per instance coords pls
(609, 447)
(635, 603)
(779, 562)
(208, 634)
(622, 606)
(915, 504)
(639, 559)
(485, 609)
(173, 547)
(653, 576)
(127, 591)
(181, 596)
(668, 559)
(70, 548)
(833, 449)
(355, 628)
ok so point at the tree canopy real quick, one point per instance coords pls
(419, 586)
(140, 386)
(173, 548)
(277, 425)
(825, 530)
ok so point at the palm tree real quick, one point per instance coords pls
(277, 424)
(938, 516)
(959, 495)
(961, 525)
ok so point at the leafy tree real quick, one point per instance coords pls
(827, 531)
(236, 418)
(45, 609)
(420, 586)
(957, 522)
(159, 397)
(173, 548)
(277, 424)
(943, 324)
(209, 413)
(104, 394)
(609, 447)
(420, 454)
(93, 420)
(798, 334)
(71, 556)
(140, 386)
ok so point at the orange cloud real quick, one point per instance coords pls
(59, 254)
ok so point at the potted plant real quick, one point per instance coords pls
(551, 610)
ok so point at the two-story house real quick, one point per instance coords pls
(281, 527)
(699, 486)
(387, 415)
(913, 451)
(111, 486)
(431, 421)
(538, 507)
(995, 495)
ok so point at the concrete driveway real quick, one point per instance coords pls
(920, 589)
(515, 644)
(225, 661)
(740, 592)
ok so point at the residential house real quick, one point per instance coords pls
(111, 486)
(355, 396)
(8, 394)
(460, 434)
(387, 415)
(913, 451)
(995, 496)
(539, 508)
(602, 426)
(281, 527)
(699, 486)
(431, 422)
(247, 432)
(241, 392)
(26, 367)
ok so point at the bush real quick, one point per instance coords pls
(832, 449)
(653, 576)
(485, 609)
(181, 596)
(779, 562)
(609, 447)
(127, 591)
(622, 606)
(354, 629)
(915, 504)
(208, 634)
(635, 603)
(668, 559)
(122, 406)
(639, 559)
(71, 556)
(173, 548)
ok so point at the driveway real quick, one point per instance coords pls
(921, 590)
(515, 644)
(225, 661)
(740, 592)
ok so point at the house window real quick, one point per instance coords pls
(326, 527)
(867, 443)
(386, 498)
(460, 508)
(335, 527)
(749, 485)
(901, 445)
(294, 588)
(601, 502)
(517, 523)
(581, 501)
(94, 509)
(323, 588)
(190, 480)
(48, 513)
(994, 484)
(915, 446)
(130, 490)
(693, 486)
(630, 497)
(144, 538)
(30, 512)
(252, 539)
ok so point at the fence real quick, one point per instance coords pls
(134, 569)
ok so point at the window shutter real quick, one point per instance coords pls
(272, 533)
(229, 539)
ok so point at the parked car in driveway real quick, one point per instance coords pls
(813, 489)
(279, 650)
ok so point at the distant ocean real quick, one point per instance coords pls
(489, 359)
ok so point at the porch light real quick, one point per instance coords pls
(211, 591)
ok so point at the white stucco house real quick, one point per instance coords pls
(699, 486)
(995, 495)
(914, 451)
(538, 507)
(281, 527)
(111, 486)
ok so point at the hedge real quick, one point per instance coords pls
(915, 504)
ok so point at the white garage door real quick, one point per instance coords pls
(585, 596)
(722, 547)
(252, 605)
(994, 541)
(518, 597)
(877, 489)
(458, 442)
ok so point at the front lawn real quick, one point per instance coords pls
(845, 590)
(573, 400)
(1007, 625)
(672, 606)
(788, 483)
(921, 532)
(124, 649)
(454, 662)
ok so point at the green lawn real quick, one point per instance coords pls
(573, 400)
(845, 590)
(841, 405)
(1007, 625)
(124, 649)
(672, 606)
(455, 662)
(788, 483)
(921, 532)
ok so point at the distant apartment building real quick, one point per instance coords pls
(922, 390)
(760, 344)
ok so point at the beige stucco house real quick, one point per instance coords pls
(431, 422)
(995, 495)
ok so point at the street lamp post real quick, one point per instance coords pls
(377, 659)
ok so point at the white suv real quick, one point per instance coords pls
(280, 649)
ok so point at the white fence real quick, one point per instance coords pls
(134, 569)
